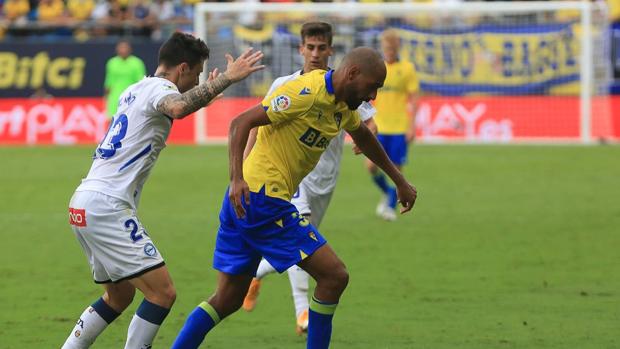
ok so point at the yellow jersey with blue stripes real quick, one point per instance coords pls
(304, 118)
(391, 102)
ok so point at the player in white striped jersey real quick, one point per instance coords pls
(316, 189)
(103, 209)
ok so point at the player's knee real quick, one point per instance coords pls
(341, 278)
(337, 279)
(167, 296)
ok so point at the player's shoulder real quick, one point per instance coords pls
(284, 79)
(305, 86)
(314, 83)
(408, 65)
(157, 84)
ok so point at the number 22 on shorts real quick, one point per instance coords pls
(133, 225)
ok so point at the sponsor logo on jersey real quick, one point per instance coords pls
(150, 250)
(304, 91)
(280, 103)
(127, 100)
(77, 217)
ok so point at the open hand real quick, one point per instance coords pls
(238, 69)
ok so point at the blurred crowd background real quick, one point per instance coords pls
(146, 19)
(53, 21)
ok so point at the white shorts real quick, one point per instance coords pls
(309, 203)
(115, 243)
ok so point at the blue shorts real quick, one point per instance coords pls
(395, 146)
(272, 228)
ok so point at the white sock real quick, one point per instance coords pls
(144, 325)
(299, 285)
(88, 327)
(264, 268)
(140, 334)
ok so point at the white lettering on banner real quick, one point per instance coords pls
(42, 118)
(67, 124)
(87, 119)
(494, 131)
(14, 119)
(459, 121)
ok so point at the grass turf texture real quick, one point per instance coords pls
(507, 247)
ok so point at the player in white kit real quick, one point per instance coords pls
(316, 189)
(103, 209)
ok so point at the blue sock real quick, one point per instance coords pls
(392, 197)
(198, 324)
(320, 324)
(105, 311)
(152, 312)
(380, 181)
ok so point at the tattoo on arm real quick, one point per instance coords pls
(193, 99)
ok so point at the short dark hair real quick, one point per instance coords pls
(183, 48)
(311, 29)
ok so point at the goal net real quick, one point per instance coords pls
(489, 71)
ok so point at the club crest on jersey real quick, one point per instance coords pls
(338, 118)
(304, 91)
(280, 103)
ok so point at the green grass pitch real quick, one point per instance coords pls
(507, 247)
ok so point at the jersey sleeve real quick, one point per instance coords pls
(352, 121)
(287, 102)
(366, 111)
(413, 86)
(162, 89)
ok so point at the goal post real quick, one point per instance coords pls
(498, 72)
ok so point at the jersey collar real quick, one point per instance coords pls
(329, 85)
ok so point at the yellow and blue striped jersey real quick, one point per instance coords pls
(304, 118)
(391, 102)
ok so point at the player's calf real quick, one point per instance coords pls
(159, 296)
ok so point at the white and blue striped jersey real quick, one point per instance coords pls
(322, 179)
(137, 134)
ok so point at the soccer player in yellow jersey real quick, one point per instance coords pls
(257, 219)
(396, 129)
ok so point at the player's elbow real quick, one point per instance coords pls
(236, 124)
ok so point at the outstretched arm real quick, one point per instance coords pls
(370, 146)
(178, 106)
(237, 139)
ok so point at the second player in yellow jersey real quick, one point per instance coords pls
(401, 82)
(395, 101)
(304, 118)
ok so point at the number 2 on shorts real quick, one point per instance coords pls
(130, 223)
